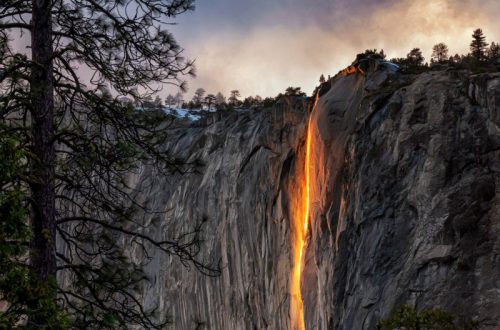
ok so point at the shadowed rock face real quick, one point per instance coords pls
(407, 199)
(405, 207)
(244, 189)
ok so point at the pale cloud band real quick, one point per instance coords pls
(263, 46)
(287, 47)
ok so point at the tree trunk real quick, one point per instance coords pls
(43, 243)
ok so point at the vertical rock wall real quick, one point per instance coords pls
(405, 205)
(407, 199)
(244, 191)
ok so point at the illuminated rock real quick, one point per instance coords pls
(405, 199)
(404, 206)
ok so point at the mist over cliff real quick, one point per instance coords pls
(404, 206)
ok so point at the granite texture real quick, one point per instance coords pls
(405, 206)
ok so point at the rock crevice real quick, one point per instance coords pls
(405, 206)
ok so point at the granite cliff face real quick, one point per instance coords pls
(405, 206)
(407, 200)
(244, 192)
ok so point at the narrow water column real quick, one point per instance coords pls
(301, 222)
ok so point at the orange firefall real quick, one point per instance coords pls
(301, 226)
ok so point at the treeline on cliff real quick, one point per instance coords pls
(483, 57)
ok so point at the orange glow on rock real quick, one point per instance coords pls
(301, 223)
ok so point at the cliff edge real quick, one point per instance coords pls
(405, 206)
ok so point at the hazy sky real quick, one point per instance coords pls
(263, 46)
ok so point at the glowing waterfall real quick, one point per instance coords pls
(301, 226)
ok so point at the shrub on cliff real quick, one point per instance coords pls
(371, 53)
(408, 318)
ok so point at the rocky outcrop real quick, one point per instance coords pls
(405, 206)
(242, 192)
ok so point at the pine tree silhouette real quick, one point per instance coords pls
(478, 45)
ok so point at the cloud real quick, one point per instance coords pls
(423, 24)
(267, 61)
(263, 46)
(293, 44)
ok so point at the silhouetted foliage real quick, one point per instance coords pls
(456, 59)
(440, 53)
(234, 98)
(294, 91)
(220, 99)
(210, 100)
(408, 318)
(17, 286)
(252, 102)
(170, 101)
(413, 62)
(158, 103)
(478, 45)
(268, 102)
(494, 51)
(415, 58)
(372, 53)
(198, 97)
(147, 103)
(74, 143)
